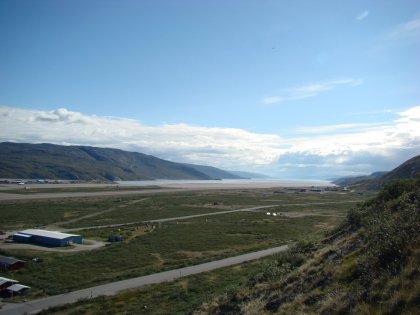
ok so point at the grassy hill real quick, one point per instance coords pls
(358, 180)
(368, 265)
(378, 179)
(21, 160)
(406, 170)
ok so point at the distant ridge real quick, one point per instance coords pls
(214, 172)
(408, 169)
(50, 161)
(248, 174)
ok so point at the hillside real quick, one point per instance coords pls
(248, 174)
(21, 160)
(378, 179)
(358, 180)
(368, 265)
(408, 169)
(213, 172)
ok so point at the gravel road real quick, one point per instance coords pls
(35, 306)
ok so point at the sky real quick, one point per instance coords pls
(292, 89)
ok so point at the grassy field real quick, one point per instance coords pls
(168, 245)
(177, 297)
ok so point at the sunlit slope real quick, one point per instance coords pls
(378, 179)
(368, 265)
(20, 160)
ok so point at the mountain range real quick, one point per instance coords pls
(50, 161)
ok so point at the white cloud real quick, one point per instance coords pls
(362, 149)
(336, 149)
(335, 128)
(363, 15)
(180, 142)
(310, 90)
(408, 31)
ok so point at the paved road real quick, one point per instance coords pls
(12, 197)
(35, 306)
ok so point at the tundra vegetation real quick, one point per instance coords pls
(314, 275)
(369, 264)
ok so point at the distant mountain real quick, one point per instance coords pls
(22, 160)
(376, 180)
(408, 169)
(352, 180)
(214, 172)
(248, 174)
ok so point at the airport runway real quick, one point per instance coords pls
(4, 196)
(164, 188)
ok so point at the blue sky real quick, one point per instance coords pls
(294, 89)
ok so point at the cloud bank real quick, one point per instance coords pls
(180, 142)
(318, 152)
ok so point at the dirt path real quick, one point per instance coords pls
(307, 214)
(95, 214)
(167, 219)
(314, 203)
(89, 245)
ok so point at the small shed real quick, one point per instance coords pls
(5, 283)
(9, 263)
(48, 238)
(115, 238)
(17, 289)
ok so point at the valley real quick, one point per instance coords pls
(163, 230)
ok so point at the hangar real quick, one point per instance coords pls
(48, 238)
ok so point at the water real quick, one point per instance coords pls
(236, 182)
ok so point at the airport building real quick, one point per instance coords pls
(9, 263)
(46, 238)
(11, 287)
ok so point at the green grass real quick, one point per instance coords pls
(170, 245)
(367, 265)
(185, 295)
(172, 205)
(25, 214)
(177, 297)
